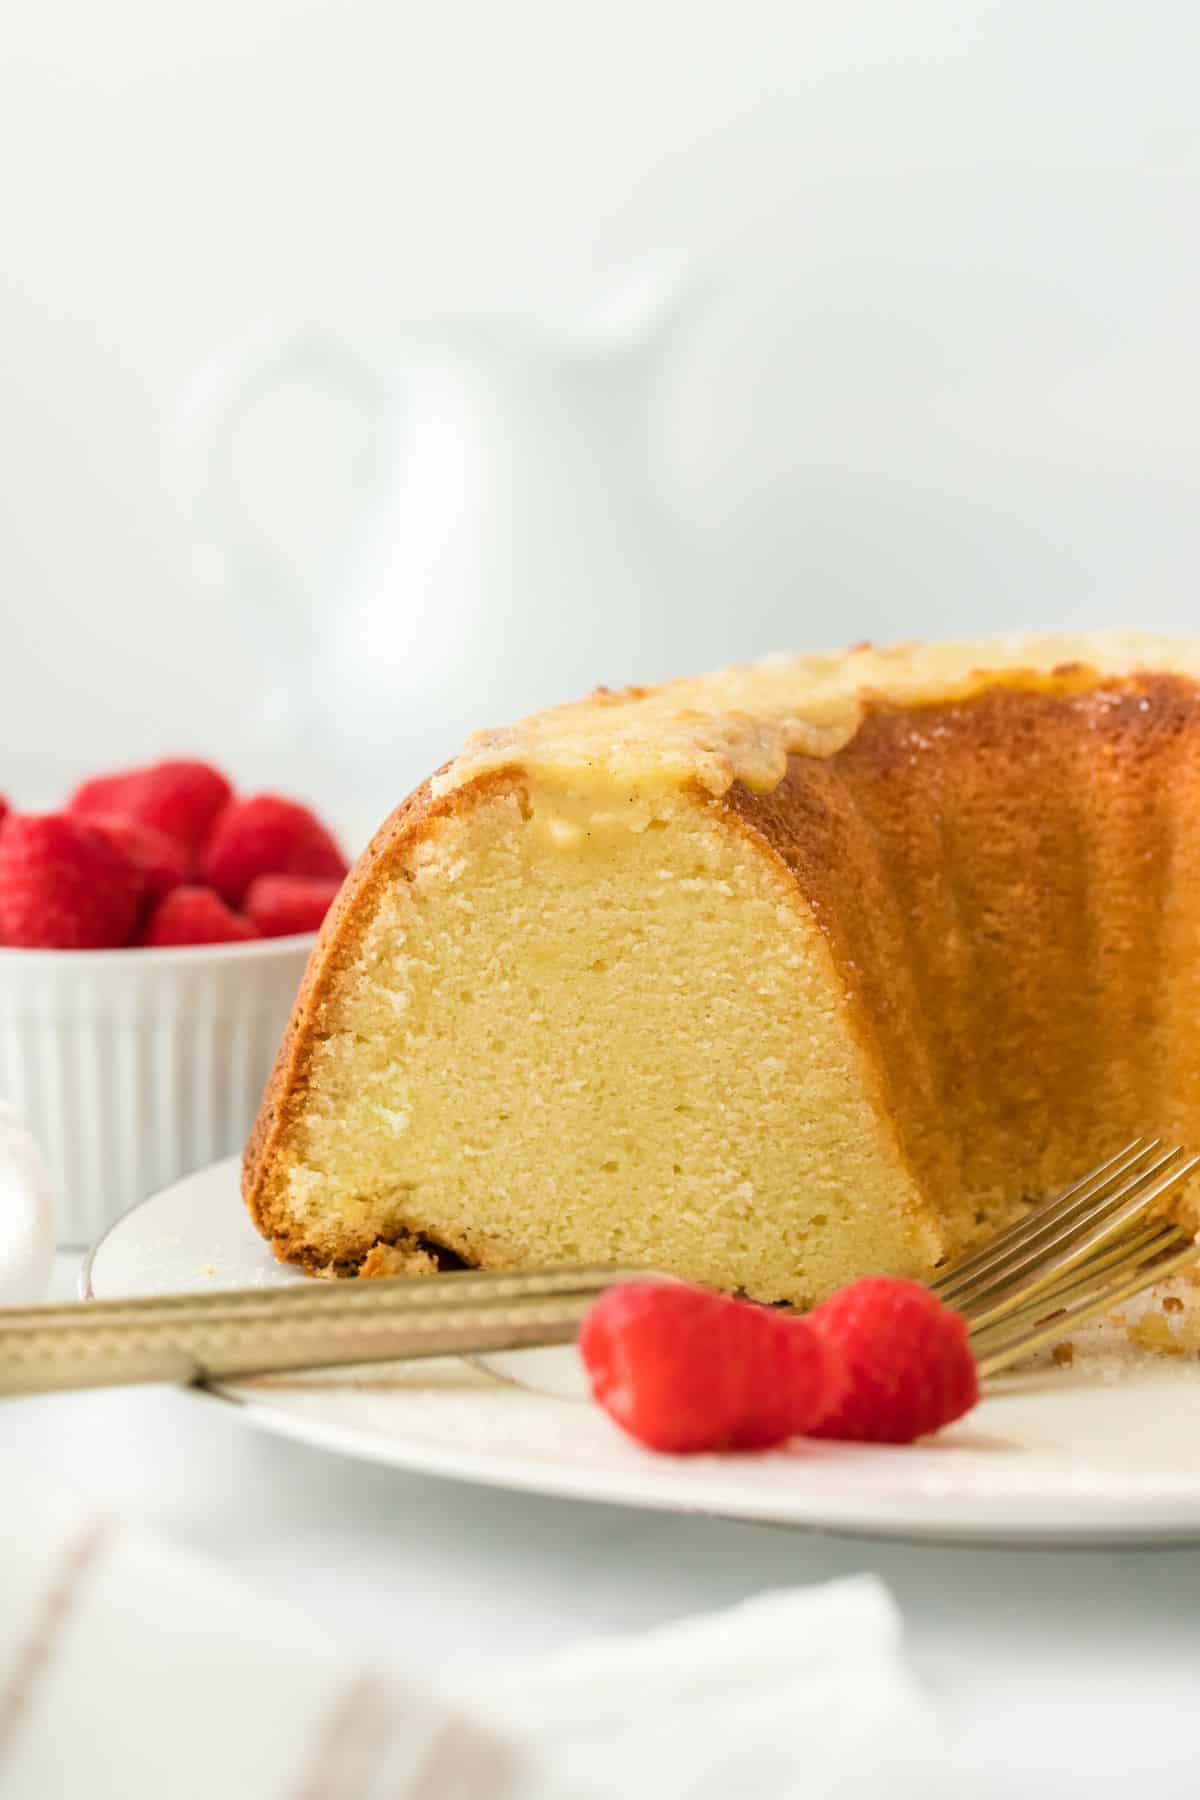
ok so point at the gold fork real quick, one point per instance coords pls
(1094, 1246)
(1098, 1244)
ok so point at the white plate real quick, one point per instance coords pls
(1107, 1450)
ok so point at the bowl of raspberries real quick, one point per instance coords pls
(153, 934)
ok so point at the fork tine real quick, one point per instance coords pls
(1006, 1300)
(1001, 1352)
(1049, 1257)
(1055, 1246)
(1136, 1198)
(1031, 1304)
(1081, 1192)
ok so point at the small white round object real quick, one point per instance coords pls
(26, 1214)
(134, 1067)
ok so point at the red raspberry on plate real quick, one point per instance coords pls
(268, 835)
(3, 808)
(195, 915)
(908, 1361)
(179, 797)
(64, 885)
(282, 904)
(684, 1370)
(162, 860)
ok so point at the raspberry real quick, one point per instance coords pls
(908, 1360)
(195, 915)
(268, 835)
(3, 808)
(282, 904)
(102, 794)
(64, 885)
(162, 860)
(684, 1370)
(179, 798)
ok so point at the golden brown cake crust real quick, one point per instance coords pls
(385, 858)
(1013, 905)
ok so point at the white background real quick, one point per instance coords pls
(945, 382)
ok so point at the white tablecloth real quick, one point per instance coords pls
(1059, 1671)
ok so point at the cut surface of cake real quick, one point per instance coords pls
(768, 979)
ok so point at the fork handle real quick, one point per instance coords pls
(38, 1357)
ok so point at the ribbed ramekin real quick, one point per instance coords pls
(134, 1067)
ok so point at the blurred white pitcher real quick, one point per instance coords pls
(513, 544)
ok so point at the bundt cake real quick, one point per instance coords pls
(766, 978)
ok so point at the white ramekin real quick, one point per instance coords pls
(134, 1067)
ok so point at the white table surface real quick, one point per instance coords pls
(1059, 1672)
